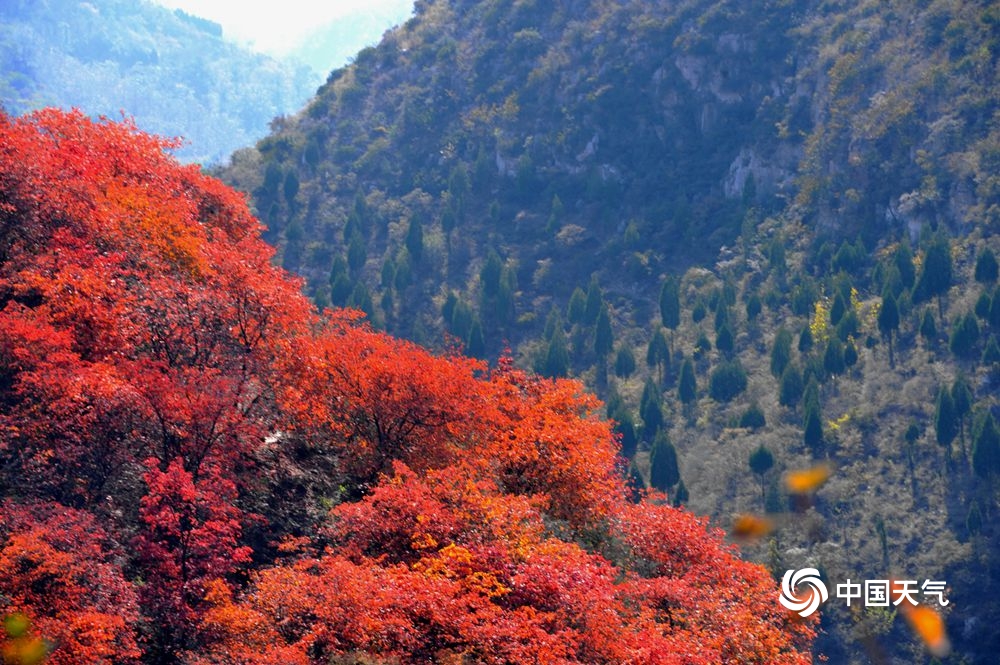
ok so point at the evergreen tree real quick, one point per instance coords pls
(475, 345)
(603, 336)
(625, 428)
(812, 427)
(761, 461)
(791, 387)
(903, 261)
(415, 239)
(650, 410)
(634, 484)
(986, 447)
(724, 340)
(781, 352)
(557, 356)
(961, 399)
(681, 494)
(833, 358)
(594, 301)
(663, 472)
(888, 321)
(490, 274)
(986, 266)
(753, 418)
(928, 328)
(936, 272)
(991, 354)
(658, 355)
(945, 420)
(670, 303)
(727, 381)
(983, 305)
(577, 309)
(850, 354)
(805, 340)
(687, 384)
(357, 253)
(994, 315)
(624, 362)
(965, 336)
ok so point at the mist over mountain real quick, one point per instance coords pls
(174, 73)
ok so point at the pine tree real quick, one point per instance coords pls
(681, 494)
(928, 328)
(833, 358)
(761, 461)
(577, 308)
(624, 362)
(791, 387)
(594, 301)
(664, 472)
(986, 266)
(812, 428)
(670, 303)
(727, 381)
(781, 352)
(650, 410)
(658, 355)
(604, 339)
(986, 447)
(888, 321)
(415, 239)
(475, 345)
(945, 421)
(490, 274)
(557, 356)
(687, 384)
(936, 272)
(961, 398)
(965, 336)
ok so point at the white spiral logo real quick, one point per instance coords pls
(818, 593)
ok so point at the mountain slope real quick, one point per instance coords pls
(696, 184)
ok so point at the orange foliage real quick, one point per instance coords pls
(161, 377)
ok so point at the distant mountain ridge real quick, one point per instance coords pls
(171, 71)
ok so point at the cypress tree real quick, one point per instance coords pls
(833, 358)
(727, 381)
(761, 461)
(781, 352)
(664, 472)
(624, 362)
(986, 267)
(670, 303)
(936, 272)
(577, 308)
(812, 427)
(986, 447)
(594, 301)
(965, 336)
(928, 328)
(650, 410)
(945, 420)
(604, 339)
(791, 387)
(888, 321)
(687, 385)
(557, 356)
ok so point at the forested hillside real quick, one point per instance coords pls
(763, 232)
(170, 71)
(197, 466)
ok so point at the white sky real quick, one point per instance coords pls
(276, 26)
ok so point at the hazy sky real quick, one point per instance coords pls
(275, 27)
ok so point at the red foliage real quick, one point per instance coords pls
(161, 377)
(60, 569)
